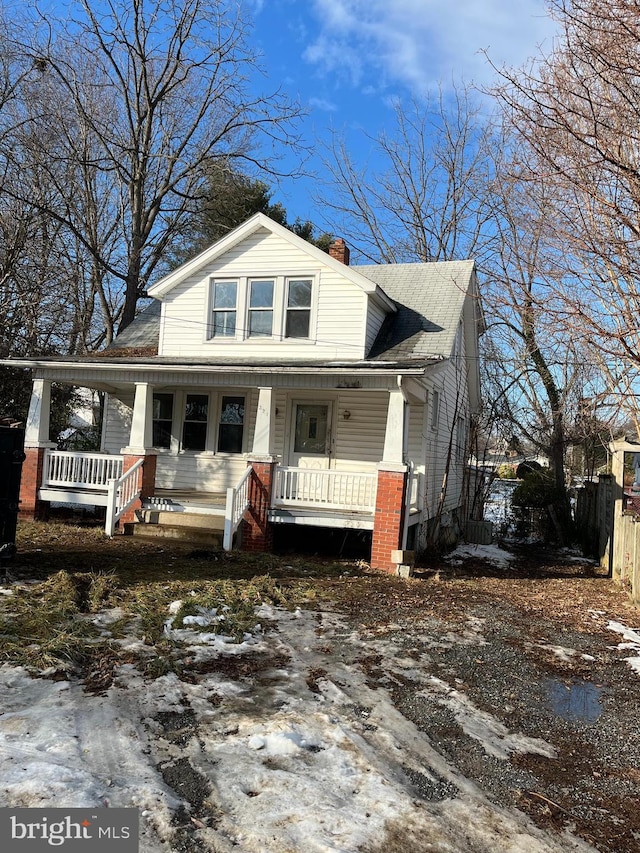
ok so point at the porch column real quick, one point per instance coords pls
(257, 534)
(395, 436)
(392, 483)
(265, 419)
(36, 442)
(141, 435)
(140, 447)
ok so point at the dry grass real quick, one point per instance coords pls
(65, 573)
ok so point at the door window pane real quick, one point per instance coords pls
(196, 413)
(231, 427)
(311, 429)
(162, 419)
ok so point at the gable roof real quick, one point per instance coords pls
(257, 222)
(430, 298)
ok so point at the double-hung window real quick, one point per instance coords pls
(231, 426)
(224, 309)
(162, 419)
(196, 417)
(260, 308)
(298, 308)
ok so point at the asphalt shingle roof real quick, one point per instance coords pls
(429, 298)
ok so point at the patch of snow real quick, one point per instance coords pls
(493, 736)
(491, 553)
(632, 638)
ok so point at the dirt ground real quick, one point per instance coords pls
(529, 647)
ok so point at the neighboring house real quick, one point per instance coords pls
(271, 383)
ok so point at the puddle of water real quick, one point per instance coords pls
(575, 700)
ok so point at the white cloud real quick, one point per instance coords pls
(421, 42)
(323, 104)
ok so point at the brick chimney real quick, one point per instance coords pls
(339, 250)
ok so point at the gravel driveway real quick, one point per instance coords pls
(471, 653)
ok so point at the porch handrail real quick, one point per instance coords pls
(325, 488)
(121, 494)
(80, 470)
(236, 505)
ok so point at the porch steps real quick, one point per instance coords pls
(197, 528)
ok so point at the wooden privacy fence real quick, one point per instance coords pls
(625, 563)
(594, 518)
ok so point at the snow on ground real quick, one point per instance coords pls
(631, 639)
(491, 553)
(287, 764)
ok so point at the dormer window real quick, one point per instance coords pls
(298, 311)
(257, 309)
(260, 308)
(225, 300)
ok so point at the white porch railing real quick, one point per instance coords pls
(323, 488)
(122, 493)
(92, 471)
(237, 503)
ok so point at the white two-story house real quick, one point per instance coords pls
(269, 383)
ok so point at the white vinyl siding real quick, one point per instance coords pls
(338, 313)
(116, 427)
(375, 319)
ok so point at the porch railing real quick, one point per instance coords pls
(91, 471)
(323, 488)
(121, 495)
(237, 503)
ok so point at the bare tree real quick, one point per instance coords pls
(423, 197)
(136, 97)
(450, 183)
(578, 111)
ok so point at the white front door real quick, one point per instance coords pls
(310, 440)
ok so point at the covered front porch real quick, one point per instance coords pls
(303, 496)
(257, 486)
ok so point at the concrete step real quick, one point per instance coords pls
(199, 521)
(211, 537)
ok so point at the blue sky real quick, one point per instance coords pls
(348, 60)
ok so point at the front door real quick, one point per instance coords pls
(310, 435)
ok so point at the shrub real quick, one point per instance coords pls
(538, 489)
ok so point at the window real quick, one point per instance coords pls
(461, 440)
(225, 295)
(196, 415)
(260, 309)
(311, 429)
(435, 409)
(231, 427)
(298, 308)
(162, 419)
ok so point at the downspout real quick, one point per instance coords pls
(405, 452)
